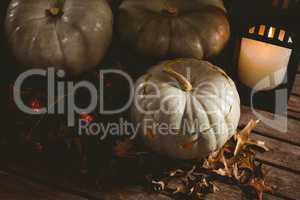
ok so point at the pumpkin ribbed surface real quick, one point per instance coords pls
(200, 121)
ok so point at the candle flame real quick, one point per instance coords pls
(262, 29)
(252, 30)
(281, 35)
(271, 32)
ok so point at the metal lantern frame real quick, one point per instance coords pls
(275, 15)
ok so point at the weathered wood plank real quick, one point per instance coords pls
(133, 193)
(281, 154)
(227, 191)
(270, 128)
(75, 184)
(294, 114)
(296, 87)
(233, 192)
(16, 188)
(287, 183)
(294, 107)
(283, 160)
(294, 103)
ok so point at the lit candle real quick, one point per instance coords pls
(263, 66)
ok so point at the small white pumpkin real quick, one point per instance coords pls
(186, 108)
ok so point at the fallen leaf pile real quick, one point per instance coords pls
(236, 161)
(190, 184)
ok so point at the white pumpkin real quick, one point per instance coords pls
(186, 108)
(70, 34)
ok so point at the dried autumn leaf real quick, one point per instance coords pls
(158, 185)
(236, 173)
(239, 161)
(204, 187)
(234, 160)
(246, 160)
(189, 183)
(180, 177)
(177, 172)
(191, 171)
(260, 172)
(217, 163)
(222, 172)
(122, 148)
(215, 188)
(243, 138)
(229, 147)
(241, 175)
(177, 186)
(214, 160)
(259, 185)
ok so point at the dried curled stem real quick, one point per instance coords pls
(184, 83)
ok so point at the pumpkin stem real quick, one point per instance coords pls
(171, 10)
(184, 83)
(54, 11)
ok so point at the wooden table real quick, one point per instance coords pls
(17, 182)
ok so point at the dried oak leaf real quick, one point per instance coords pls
(203, 187)
(178, 186)
(258, 183)
(217, 163)
(181, 181)
(186, 183)
(158, 185)
(177, 172)
(244, 166)
(246, 160)
(170, 185)
(191, 185)
(214, 160)
(229, 148)
(243, 138)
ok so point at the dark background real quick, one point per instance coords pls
(116, 56)
(57, 158)
(119, 56)
(9, 71)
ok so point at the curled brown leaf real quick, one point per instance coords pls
(243, 138)
(259, 185)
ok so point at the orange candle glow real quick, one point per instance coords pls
(263, 66)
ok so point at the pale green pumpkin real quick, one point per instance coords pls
(73, 35)
(174, 28)
(203, 110)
